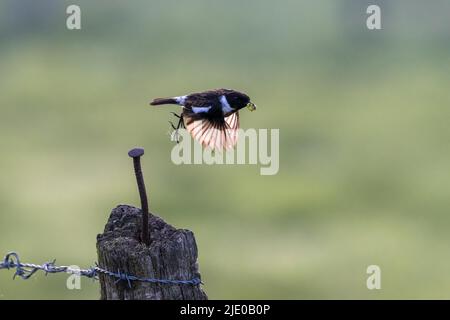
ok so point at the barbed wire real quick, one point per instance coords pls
(26, 270)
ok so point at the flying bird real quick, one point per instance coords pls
(211, 117)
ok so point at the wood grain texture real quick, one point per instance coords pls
(172, 254)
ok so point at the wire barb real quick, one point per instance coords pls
(26, 270)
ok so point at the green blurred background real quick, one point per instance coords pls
(364, 141)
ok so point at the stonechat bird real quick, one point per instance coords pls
(211, 117)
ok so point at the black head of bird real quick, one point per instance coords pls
(237, 100)
(211, 117)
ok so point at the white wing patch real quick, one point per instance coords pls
(200, 109)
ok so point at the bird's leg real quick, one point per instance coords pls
(176, 115)
(172, 125)
(180, 124)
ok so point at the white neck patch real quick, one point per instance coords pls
(226, 108)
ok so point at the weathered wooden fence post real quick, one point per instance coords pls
(170, 255)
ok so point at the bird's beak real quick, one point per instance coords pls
(251, 106)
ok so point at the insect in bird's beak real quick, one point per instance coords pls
(251, 106)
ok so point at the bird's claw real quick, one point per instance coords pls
(176, 135)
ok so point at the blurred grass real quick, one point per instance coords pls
(363, 146)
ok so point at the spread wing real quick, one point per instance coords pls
(215, 133)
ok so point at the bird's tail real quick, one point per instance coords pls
(160, 101)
